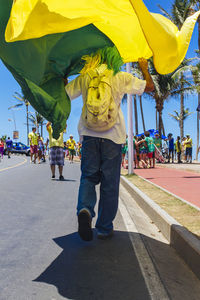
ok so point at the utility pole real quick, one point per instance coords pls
(130, 127)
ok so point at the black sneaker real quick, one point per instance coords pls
(53, 177)
(84, 225)
(105, 236)
(61, 178)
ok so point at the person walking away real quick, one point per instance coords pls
(40, 149)
(178, 149)
(56, 155)
(33, 139)
(151, 149)
(9, 145)
(102, 133)
(188, 148)
(171, 147)
(71, 147)
(1, 148)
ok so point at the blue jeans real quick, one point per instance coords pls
(100, 163)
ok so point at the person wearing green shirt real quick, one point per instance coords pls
(158, 141)
(151, 149)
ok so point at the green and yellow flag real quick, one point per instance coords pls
(43, 40)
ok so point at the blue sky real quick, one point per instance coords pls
(8, 86)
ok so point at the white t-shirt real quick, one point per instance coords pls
(122, 83)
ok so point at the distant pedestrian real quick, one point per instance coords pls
(33, 138)
(171, 147)
(178, 149)
(9, 145)
(158, 141)
(151, 149)
(71, 144)
(40, 149)
(1, 147)
(56, 155)
(188, 148)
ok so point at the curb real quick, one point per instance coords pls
(181, 239)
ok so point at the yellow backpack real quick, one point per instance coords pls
(100, 111)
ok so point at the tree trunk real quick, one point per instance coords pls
(156, 119)
(136, 116)
(198, 115)
(27, 124)
(160, 122)
(163, 128)
(142, 114)
(182, 110)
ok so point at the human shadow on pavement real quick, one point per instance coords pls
(97, 270)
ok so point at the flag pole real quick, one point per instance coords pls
(130, 127)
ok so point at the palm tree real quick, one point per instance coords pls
(142, 114)
(21, 98)
(180, 118)
(37, 120)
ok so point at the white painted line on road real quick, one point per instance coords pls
(17, 165)
(151, 277)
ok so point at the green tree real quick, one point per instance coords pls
(37, 120)
(178, 117)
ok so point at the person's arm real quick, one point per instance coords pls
(143, 63)
(73, 88)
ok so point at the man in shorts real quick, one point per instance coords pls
(151, 149)
(33, 139)
(56, 155)
(71, 147)
(188, 148)
(9, 145)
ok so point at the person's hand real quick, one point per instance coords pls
(48, 124)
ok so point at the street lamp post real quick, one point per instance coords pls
(130, 127)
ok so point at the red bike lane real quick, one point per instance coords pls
(184, 184)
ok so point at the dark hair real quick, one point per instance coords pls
(33, 128)
(147, 133)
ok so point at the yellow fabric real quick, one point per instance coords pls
(188, 143)
(33, 138)
(133, 29)
(53, 142)
(71, 144)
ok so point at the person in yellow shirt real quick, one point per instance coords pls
(71, 147)
(188, 148)
(178, 149)
(56, 155)
(33, 139)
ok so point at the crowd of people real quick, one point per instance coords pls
(149, 150)
(5, 145)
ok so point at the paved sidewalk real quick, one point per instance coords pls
(184, 184)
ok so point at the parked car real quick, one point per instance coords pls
(19, 147)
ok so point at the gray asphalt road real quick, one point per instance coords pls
(41, 255)
(43, 258)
